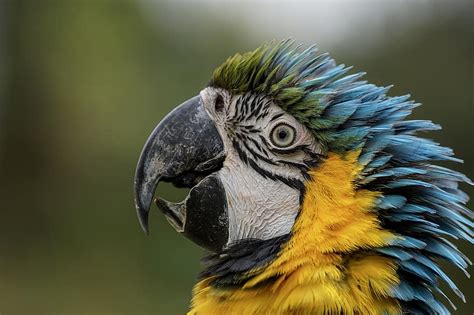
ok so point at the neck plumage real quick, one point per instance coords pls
(326, 265)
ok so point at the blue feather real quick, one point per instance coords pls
(440, 273)
(346, 80)
(395, 252)
(411, 126)
(378, 162)
(415, 208)
(326, 77)
(408, 242)
(450, 253)
(391, 202)
(340, 112)
(419, 270)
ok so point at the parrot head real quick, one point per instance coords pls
(308, 187)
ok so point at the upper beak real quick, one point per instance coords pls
(183, 148)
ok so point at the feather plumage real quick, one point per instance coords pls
(420, 202)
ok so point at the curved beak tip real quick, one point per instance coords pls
(144, 224)
(142, 213)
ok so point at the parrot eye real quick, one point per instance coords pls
(283, 135)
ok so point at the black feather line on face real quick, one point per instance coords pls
(258, 156)
(258, 146)
(240, 109)
(276, 117)
(314, 157)
(298, 148)
(259, 106)
(250, 128)
(240, 152)
(243, 102)
(252, 105)
(263, 114)
(291, 182)
(302, 167)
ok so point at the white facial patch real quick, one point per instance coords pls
(258, 208)
(263, 182)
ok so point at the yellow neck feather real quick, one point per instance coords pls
(322, 269)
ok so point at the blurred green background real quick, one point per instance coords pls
(83, 83)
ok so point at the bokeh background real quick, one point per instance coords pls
(83, 83)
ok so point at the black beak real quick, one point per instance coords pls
(185, 149)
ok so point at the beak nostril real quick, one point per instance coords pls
(219, 104)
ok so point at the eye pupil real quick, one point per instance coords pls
(282, 134)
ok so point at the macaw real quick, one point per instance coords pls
(310, 190)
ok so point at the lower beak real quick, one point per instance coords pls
(187, 150)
